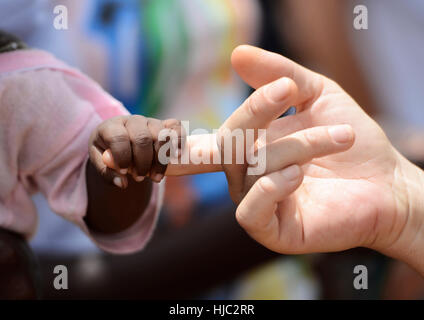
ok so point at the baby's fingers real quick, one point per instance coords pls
(142, 146)
(114, 136)
(157, 129)
(104, 165)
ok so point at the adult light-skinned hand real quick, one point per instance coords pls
(319, 194)
(368, 196)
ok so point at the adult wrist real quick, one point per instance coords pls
(409, 247)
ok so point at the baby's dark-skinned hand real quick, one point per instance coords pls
(134, 142)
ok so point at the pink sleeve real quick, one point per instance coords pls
(63, 182)
(58, 112)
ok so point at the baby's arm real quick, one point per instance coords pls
(111, 210)
(19, 278)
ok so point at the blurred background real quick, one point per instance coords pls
(171, 59)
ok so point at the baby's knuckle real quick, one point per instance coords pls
(102, 128)
(142, 140)
(117, 138)
(136, 121)
(137, 117)
(170, 123)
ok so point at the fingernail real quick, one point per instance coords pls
(139, 179)
(118, 182)
(123, 171)
(341, 134)
(291, 173)
(278, 90)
